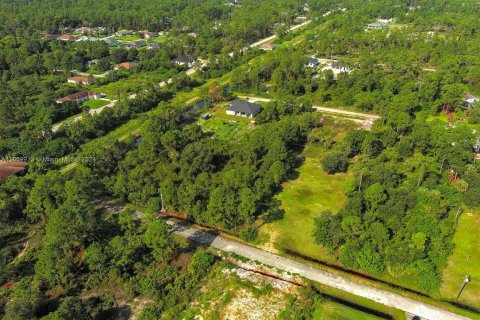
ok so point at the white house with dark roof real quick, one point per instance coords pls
(470, 99)
(243, 109)
(312, 62)
(185, 60)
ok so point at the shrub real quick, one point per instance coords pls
(334, 163)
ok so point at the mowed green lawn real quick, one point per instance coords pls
(464, 260)
(304, 199)
(337, 311)
(92, 104)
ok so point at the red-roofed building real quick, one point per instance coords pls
(80, 80)
(67, 37)
(124, 65)
(80, 97)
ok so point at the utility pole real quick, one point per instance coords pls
(465, 281)
(163, 208)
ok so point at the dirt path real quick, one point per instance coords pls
(390, 299)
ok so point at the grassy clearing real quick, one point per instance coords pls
(332, 308)
(464, 260)
(93, 104)
(318, 192)
(225, 130)
(131, 37)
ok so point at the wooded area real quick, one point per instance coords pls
(413, 171)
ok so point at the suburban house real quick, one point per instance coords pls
(80, 80)
(145, 34)
(185, 60)
(111, 42)
(86, 38)
(123, 32)
(67, 37)
(312, 62)
(85, 31)
(124, 65)
(385, 21)
(154, 45)
(243, 108)
(268, 47)
(337, 68)
(374, 26)
(80, 97)
(470, 99)
(476, 147)
(135, 44)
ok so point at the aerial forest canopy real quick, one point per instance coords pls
(134, 98)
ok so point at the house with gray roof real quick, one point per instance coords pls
(312, 62)
(243, 109)
(185, 60)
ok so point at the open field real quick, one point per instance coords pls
(319, 192)
(464, 260)
(225, 130)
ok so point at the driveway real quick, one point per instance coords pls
(390, 299)
(364, 119)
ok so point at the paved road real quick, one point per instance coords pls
(94, 111)
(393, 300)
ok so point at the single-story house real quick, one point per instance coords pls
(476, 147)
(243, 108)
(135, 44)
(123, 32)
(268, 47)
(92, 62)
(85, 30)
(86, 38)
(80, 80)
(470, 99)
(154, 45)
(145, 34)
(67, 37)
(385, 21)
(312, 62)
(185, 60)
(111, 42)
(80, 97)
(124, 65)
(337, 68)
(374, 26)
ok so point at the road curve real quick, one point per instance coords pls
(390, 299)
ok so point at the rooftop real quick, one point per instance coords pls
(244, 107)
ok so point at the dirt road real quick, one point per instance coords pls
(390, 299)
